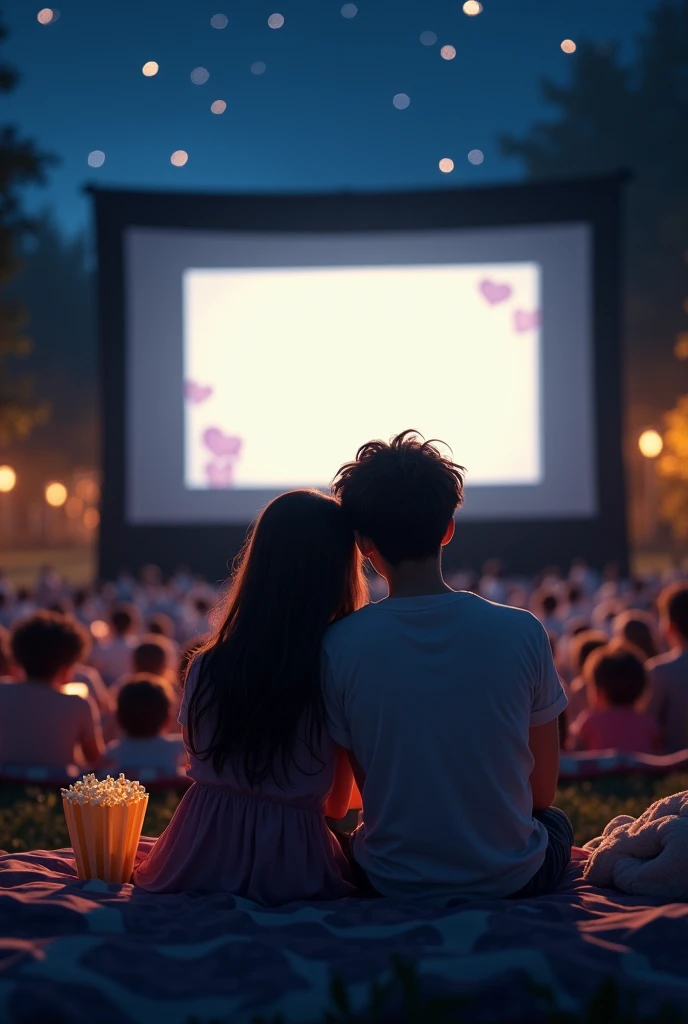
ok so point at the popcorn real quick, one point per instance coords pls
(105, 818)
(108, 792)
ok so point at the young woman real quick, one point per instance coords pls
(265, 770)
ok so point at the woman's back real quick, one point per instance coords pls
(262, 762)
(268, 842)
(310, 775)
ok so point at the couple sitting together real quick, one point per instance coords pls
(441, 705)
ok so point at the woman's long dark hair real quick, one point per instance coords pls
(259, 686)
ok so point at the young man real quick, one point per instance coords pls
(668, 674)
(40, 725)
(448, 704)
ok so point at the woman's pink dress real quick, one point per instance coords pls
(269, 845)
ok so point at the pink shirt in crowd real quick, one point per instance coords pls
(622, 729)
(41, 726)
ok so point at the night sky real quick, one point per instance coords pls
(321, 116)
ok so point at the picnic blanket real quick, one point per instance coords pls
(78, 952)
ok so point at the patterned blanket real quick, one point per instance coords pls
(82, 952)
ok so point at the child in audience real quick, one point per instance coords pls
(446, 703)
(40, 725)
(668, 674)
(153, 656)
(113, 657)
(265, 770)
(144, 708)
(581, 647)
(157, 656)
(637, 629)
(616, 681)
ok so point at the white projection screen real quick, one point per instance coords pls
(257, 362)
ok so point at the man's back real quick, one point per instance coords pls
(668, 676)
(435, 696)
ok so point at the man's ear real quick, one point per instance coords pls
(449, 532)
(364, 544)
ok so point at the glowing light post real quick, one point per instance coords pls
(8, 479)
(55, 497)
(650, 445)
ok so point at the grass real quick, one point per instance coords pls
(31, 817)
(592, 804)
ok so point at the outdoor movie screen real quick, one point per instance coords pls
(257, 363)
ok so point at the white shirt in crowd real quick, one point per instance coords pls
(435, 696)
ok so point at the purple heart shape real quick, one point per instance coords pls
(221, 444)
(197, 393)
(220, 475)
(494, 292)
(524, 321)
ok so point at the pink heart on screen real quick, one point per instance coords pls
(220, 474)
(524, 321)
(494, 292)
(221, 444)
(197, 393)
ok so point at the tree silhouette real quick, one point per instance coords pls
(633, 116)
(55, 284)
(21, 163)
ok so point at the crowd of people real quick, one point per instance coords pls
(101, 672)
(104, 666)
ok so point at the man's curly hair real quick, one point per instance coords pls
(401, 495)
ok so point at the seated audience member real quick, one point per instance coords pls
(156, 655)
(97, 689)
(577, 605)
(7, 666)
(640, 595)
(491, 585)
(616, 681)
(583, 576)
(668, 674)
(24, 605)
(5, 611)
(113, 657)
(604, 614)
(84, 609)
(40, 725)
(581, 647)
(446, 703)
(637, 629)
(144, 709)
(195, 623)
(546, 608)
(162, 625)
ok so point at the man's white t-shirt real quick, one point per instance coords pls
(435, 696)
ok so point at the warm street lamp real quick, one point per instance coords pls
(650, 444)
(8, 479)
